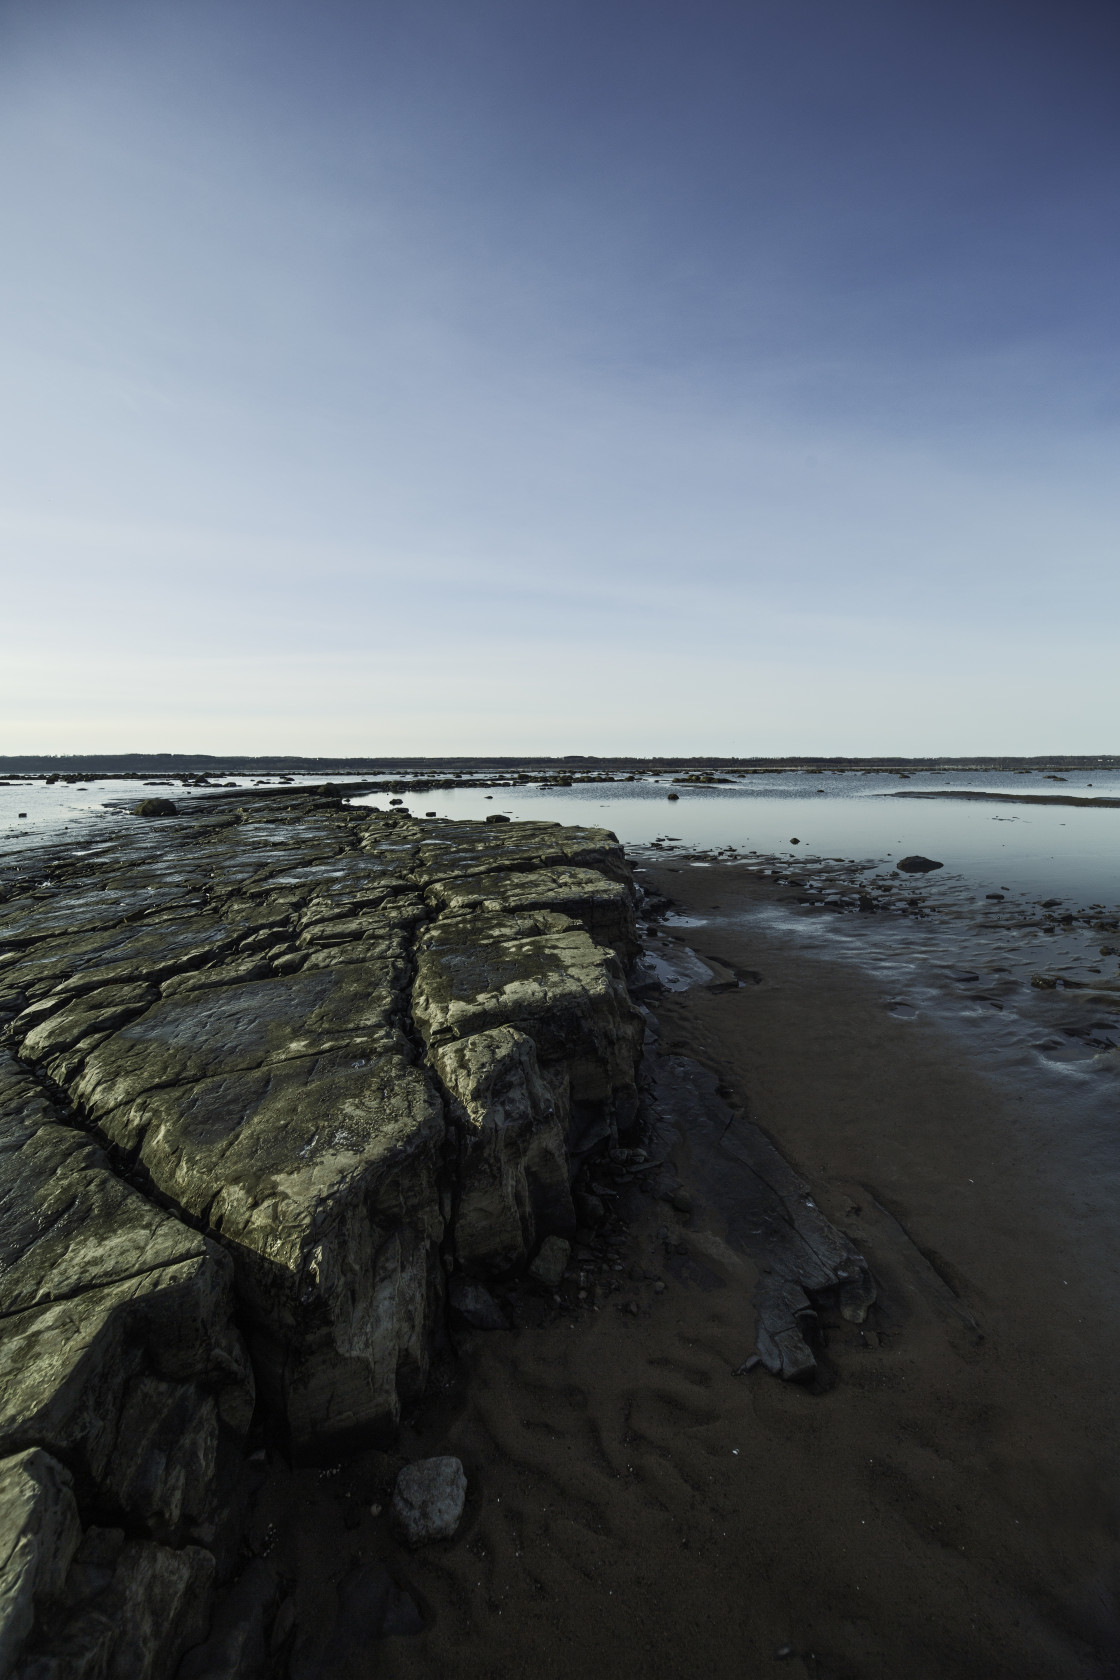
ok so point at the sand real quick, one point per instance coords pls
(940, 1502)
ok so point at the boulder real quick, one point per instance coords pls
(428, 1500)
(551, 1262)
(155, 808)
(917, 865)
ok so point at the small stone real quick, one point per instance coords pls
(659, 1287)
(917, 865)
(551, 1262)
(681, 1202)
(1044, 982)
(375, 1510)
(428, 1500)
(632, 1307)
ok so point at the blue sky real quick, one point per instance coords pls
(559, 377)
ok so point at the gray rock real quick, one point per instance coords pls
(118, 1352)
(472, 1304)
(155, 808)
(917, 865)
(276, 1099)
(39, 1533)
(512, 1126)
(551, 1261)
(236, 1647)
(428, 1500)
(129, 1610)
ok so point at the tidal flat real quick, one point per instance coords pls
(737, 1218)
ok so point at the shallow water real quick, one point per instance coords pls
(1064, 851)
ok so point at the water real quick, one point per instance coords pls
(1044, 850)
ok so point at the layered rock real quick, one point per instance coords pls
(125, 1391)
(290, 1072)
(260, 1019)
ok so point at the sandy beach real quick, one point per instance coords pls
(938, 1501)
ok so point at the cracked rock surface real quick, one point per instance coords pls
(268, 1074)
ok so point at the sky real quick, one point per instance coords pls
(547, 376)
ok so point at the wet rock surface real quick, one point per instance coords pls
(268, 1074)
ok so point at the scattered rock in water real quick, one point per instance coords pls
(551, 1262)
(917, 865)
(155, 808)
(673, 796)
(497, 817)
(428, 1500)
(472, 1304)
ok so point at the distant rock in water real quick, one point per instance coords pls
(917, 865)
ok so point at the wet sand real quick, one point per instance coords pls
(942, 1501)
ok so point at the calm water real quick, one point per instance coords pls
(1055, 850)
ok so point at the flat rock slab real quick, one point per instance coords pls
(346, 1048)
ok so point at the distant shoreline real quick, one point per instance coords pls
(1103, 803)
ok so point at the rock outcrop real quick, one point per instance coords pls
(269, 1076)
